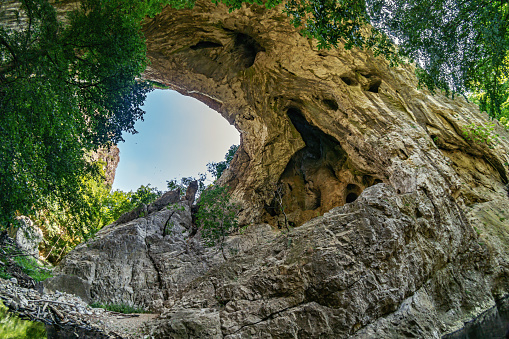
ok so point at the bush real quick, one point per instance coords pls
(184, 183)
(217, 216)
(217, 168)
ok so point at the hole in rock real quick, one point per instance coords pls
(318, 175)
(178, 137)
(348, 81)
(374, 86)
(352, 192)
(246, 48)
(205, 44)
(351, 197)
(331, 104)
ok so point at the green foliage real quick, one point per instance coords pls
(65, 89)
(30, 266)
(184, 183)
(482, 134)
(333, 21)
(217, 216)
(12, 327)
(504, 122)
(12, 258)
(169, 228)
(4, 274)
(460, 46)
(485, 102)
(64, 229)
(217, 168)
(176, 207)
(120, 308)
(145, 195)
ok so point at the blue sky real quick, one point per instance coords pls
(179, 136)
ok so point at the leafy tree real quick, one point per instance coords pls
(460, 46)
(145, 195)
(63, 228)
(217, 216)
(65, 89)
(217, 168)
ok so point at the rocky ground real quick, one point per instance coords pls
(66, 315)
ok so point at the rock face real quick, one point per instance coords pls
(143, 260)
(109, 158)
(373, 268)
(26, 235)
(404, 221)
(323, 124)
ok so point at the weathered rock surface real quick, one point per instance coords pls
(326, 124)
(26, 235)
(417, 258)
(109, 158)
(145, 261)
(414, 237)
(378, 267)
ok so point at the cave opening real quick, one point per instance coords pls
(353, 191)
(351, 197)
(247, 48)
(317, 178)
(178, 137)
(310, 183)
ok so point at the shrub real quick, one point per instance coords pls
(217, 216)
(482, 134)
(217, 168)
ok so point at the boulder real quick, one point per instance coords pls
(26, 235)
(69, 284)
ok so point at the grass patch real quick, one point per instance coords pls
(4, 274)
(120, 308)
(30, 266)
(13, 261)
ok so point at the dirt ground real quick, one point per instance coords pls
(126, 325)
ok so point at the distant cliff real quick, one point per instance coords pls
(110, 159)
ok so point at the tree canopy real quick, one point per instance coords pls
(65, 90)
(461, 46)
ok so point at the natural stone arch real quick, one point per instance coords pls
(254, 68)
(397, 259)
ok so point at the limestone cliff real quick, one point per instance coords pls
(404, 221)
(326, 124)
(109, 159)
